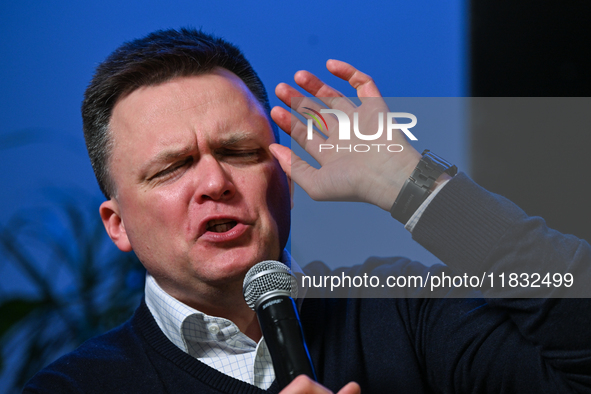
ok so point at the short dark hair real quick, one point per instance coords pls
(151, 60)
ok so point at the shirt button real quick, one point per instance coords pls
(214, 329)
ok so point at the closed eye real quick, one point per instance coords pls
(172, 169)
(247, 155)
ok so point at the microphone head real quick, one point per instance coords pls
(266, 278)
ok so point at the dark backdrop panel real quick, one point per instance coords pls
(540, 49)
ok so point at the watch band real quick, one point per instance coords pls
(418, 186)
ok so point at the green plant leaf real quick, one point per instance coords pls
(15, 310)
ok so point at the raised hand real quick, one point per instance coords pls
(374, 176)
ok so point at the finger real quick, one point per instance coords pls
(282, 118)
(350, 388)
(299, 132)
(309, 108)
(313, 85)
(296, 169)
(304, 385)
(306, 107)
(327, 94)
(283, 156)
(363, 83)
(289, 123)
(285, 93)
(293, 98)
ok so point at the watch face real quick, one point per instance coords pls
(443, 164)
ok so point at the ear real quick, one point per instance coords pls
(114, 225)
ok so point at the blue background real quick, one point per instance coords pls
(48, 52)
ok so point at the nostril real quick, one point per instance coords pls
(213, 195)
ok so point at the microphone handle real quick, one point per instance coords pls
(280, 324)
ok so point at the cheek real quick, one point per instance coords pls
(152, 211)
(265, 190)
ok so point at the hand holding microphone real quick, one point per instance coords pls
(269, 289)
(305, 385)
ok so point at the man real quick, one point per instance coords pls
(178, 130)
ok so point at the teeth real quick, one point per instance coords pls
(221, 228)
(220, 225)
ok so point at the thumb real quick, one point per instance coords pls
(303, 174)
(350, 388)
(283, 156)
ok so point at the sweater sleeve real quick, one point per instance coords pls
(522, 337)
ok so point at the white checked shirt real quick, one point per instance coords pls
(217, 341)
(213, 340)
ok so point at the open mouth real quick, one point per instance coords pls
(220, 225)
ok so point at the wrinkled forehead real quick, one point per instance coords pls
(200, 94)
(184, 113)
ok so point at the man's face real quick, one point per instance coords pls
(200, 199)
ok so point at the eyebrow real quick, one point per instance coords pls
(235, 139)
(165, 156)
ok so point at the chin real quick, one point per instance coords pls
(231, 267)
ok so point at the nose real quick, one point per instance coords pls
(214, 183)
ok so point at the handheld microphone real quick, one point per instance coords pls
(268, 289)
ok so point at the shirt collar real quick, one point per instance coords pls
(182, 324)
